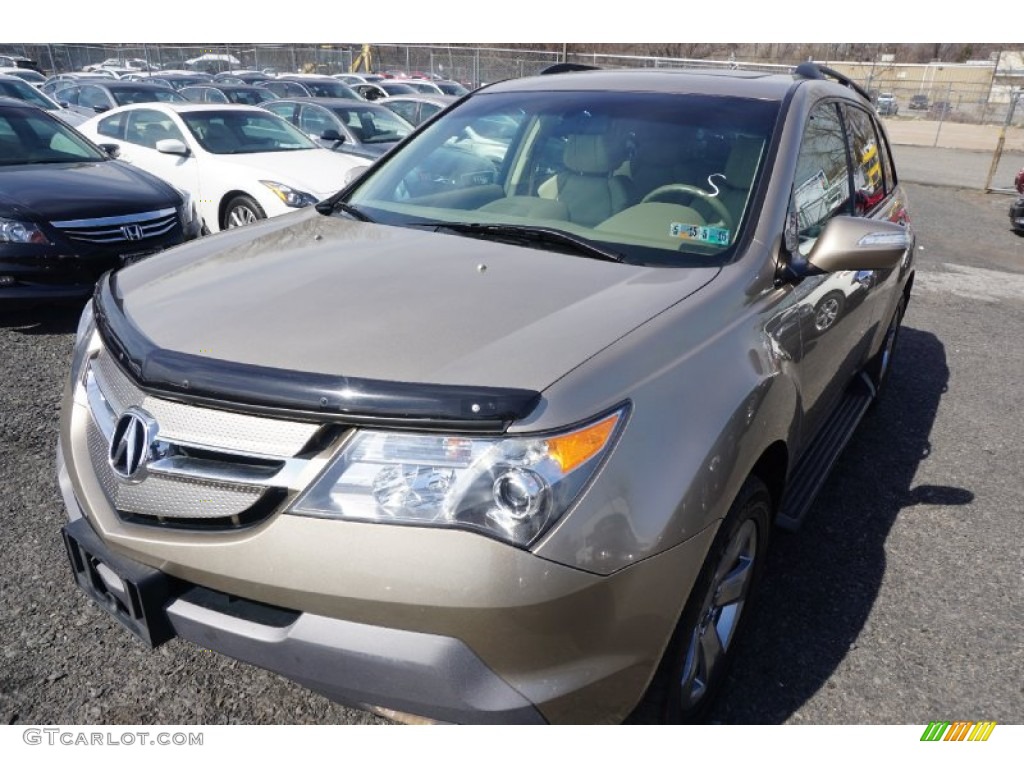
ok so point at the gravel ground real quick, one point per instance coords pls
(899, 602)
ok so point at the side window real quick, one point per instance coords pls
(866, 151)
(66, 94)
(406, 109)
(146, 127)
(821, 188)
(314, 121)
(93, 97)
(428, 110)
(287, 111)
(112, 126)
(213, 96)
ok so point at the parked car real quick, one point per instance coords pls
(416, 107)
(181, 78)
(344, 125)
(247, 76)
(30, 76)
(69, 211)
(383, 89)
(16, 88)
(451, 88)
(57, 82)
(887, 105)
(422, 86)
(240, 163)
(20, 62)
(1017, 207)
(91, 98)
(940, 110)
(919, 101)
(226, 93)
(320, 86)
(510, 450)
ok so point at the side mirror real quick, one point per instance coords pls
(332, 135)
(64, 104)
(99, 108)
(851, 243)
(114, 150)
(172, 147)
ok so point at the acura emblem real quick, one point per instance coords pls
(132, 231)
(131, 443)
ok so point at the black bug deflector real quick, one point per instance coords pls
(247, 387)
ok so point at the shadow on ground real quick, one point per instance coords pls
(821, 583)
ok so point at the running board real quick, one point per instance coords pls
(821, 455)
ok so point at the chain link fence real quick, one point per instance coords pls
(955, 93)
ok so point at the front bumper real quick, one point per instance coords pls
(393, 617)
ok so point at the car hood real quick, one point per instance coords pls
(305, 292)
(81, 190)
(320, 172)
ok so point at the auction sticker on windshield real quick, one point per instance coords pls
(715, 235)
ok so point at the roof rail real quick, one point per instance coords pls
(566, 66)
(810, 70)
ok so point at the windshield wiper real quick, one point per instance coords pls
(519, 233)
(327, 208)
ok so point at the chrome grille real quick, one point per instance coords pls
(202, 426)
(120, 229)
(204, 466)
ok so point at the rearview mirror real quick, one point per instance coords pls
(172, 147)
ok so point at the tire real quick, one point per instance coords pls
(880, 365)
(828, 311)
(697, 659)
(241, 210)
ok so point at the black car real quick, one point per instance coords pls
(1017, 215)
(919, 101)
(94, 97)
(69, 211)
(345, 125)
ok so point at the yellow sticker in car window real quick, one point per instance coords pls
(714, 235)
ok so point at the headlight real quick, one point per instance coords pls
(293, 198)
(512, 488)
(86, 343)
(12, 231)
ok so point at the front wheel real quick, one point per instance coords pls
(691, 674)
(241, 210)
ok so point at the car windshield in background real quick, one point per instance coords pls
(244, 132)
(125, 96)
(29, 138)
(373, 125)
(329, 89)
(19, 89)
(654, 178)
(251, 97)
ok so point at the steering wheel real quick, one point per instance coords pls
(715, 203)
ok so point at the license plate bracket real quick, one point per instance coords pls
(134, 594)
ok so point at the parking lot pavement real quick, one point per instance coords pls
(900, 601)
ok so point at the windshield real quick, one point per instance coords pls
(244, 132)
(249, 96)
(19, 89)
(396, 89)
(329, 89)
(28, 137)
(657, 178)
(30, 75)
(145, 95)
(373, 125)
